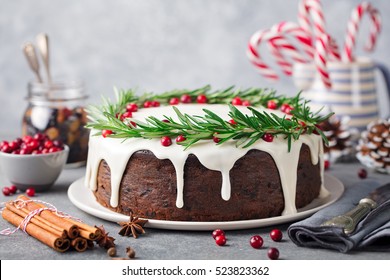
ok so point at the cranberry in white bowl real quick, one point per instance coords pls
(32, 161)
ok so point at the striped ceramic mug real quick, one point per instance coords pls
(353, 92)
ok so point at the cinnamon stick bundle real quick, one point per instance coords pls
(56, 242)
(60, 233)
(71, 229)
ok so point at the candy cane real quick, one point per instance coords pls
(278, 42)
(321, 58)
(313, 9)
(353, 28)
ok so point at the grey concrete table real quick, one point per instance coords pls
(169, 244)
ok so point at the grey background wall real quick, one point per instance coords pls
(154, 45)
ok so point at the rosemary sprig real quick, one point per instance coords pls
(246, 131)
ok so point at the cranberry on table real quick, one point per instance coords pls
(362, 173)
(217, 232)
(220, 240)
(13, 189)
(256, 241)
(30, 192)
(276, 235)
(6, 191)
(273, 253)
(216, 139)
(232, 122)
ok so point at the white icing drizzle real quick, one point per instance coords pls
(222, 158)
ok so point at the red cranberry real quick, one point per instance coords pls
(106, 132)
(236, 101)
(256, 241)
(166, 141)
(185, 98)
(14, 145)
(232, 122)
(39, 137)
(27, 139)
(34, 144)
(148, 104)
(201, 98)
(286, 108)
(216, 139)
(180, 138)
(273, 253)
(19, 141)
(362, 173)
(155, 103)
(271, 104)
(165, 120)
(30, 192)
(174, 101)
(13, 189)
(6, 149)
(246, 103)
(276, 235)
(6, 191)
(125, 115)
(3, 143)
(131, 107)
(54, 149)
(25, 151)
(218, 232)
(45, 151)
(36, 152)
(268, 137)
(220, 240)
(326, 164)
(58, 144)
(48, 144)
(16, 152)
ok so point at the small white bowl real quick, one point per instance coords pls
(38, 171)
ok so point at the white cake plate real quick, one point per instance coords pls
(83, 198)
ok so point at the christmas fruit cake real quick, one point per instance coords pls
(205, 155)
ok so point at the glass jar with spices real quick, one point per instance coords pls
(57, 110)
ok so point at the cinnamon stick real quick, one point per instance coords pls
(36, 220)
(87, 231)
(70, 228)
(79, 244)
(57, 243)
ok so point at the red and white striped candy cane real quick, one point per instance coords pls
(353, 28)
(321, 58)
(312, 9)
(278, 43)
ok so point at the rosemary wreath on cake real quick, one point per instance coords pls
(116, 120)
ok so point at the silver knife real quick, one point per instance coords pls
(349, 220)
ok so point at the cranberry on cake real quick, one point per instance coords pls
(205, 155)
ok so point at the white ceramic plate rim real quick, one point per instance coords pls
(83, 198)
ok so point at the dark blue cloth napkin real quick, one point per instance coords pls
(372, 233)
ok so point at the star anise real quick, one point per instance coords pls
(133, 227)
(105, 241)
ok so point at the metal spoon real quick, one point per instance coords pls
(31, 56)
(43, 47)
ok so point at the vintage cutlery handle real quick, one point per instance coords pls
(349, 220)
